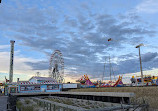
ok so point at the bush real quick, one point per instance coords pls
(147, 94)
(18, 104)
(28, 108)
(27, 101)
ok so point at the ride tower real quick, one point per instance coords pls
(11, 61)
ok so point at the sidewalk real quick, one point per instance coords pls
(3, 103)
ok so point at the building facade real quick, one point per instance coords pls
(39, 84)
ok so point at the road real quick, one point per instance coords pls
(3, 103)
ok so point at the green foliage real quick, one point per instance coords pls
(27, 101)
(28, 108)
(18, 104)
(143, 95)
(68, 102)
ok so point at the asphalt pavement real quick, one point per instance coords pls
(3, 103)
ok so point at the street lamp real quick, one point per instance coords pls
(138, 46)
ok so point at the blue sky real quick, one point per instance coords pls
(79, 29)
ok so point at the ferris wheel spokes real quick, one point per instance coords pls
(56, 68)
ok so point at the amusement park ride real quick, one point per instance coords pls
(56, 66)
(135, 81)
(148, 80)
(87, 83)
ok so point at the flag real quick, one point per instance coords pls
(109, 39)
(1, 84)
(7, 80)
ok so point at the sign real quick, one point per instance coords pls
(69, 85)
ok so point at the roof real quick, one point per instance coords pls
(43, 78)
(12, 83)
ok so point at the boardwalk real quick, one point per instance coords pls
(115, 94)
(3, 103)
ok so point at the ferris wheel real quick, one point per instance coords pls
(56, 66)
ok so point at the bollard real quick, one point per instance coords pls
(93, 98)
(54, 107)
(50, 106)
(7, 106)
(44, 104)
(47, 105)
(40, 103)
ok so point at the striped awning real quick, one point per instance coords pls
(33, 83)
(49, 82)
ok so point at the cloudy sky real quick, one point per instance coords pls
(80, 30)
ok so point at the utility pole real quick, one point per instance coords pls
(103, 72)
(110, 67)
(142, 80)
(11, 61)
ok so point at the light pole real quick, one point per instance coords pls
(138, 46)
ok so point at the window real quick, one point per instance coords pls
(29, 88)
(52, 87)
(13, 90)
(37, 88)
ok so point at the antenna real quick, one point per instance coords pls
(38, 74)
(113, 73)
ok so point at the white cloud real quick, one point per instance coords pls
(148, 6)
(4, 46)
(20, 67)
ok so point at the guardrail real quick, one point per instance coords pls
(114, 97)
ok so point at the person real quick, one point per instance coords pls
(133, 80)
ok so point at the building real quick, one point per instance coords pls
(39, 84)
(12, 87)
